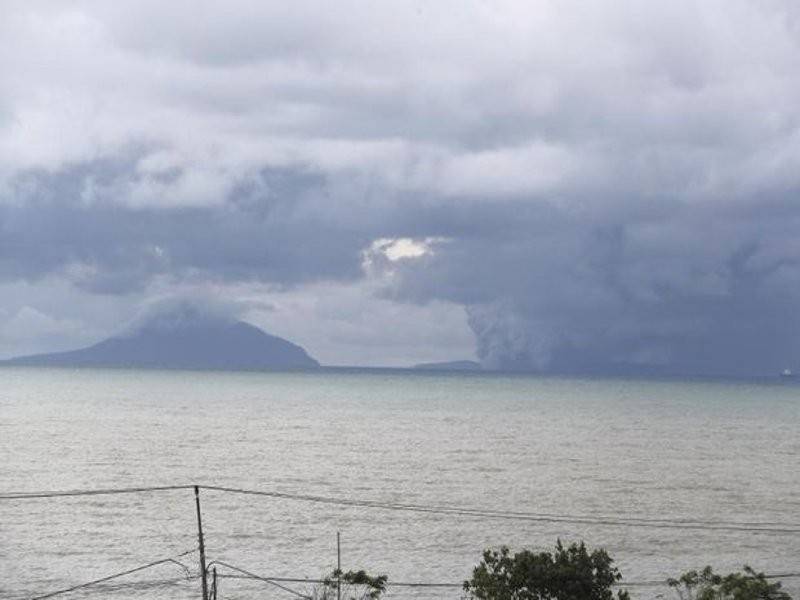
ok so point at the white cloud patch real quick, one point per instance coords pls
(403, 248)
(532, 170)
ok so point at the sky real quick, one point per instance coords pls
(551, 186)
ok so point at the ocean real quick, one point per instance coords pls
(580, 457)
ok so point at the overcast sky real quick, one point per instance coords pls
(540, 185)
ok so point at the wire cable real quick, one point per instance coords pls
(136, 585)
(536, 517)
(409, 584)
(97, 492)
(87, 584)
(250, 575)
(663, 523)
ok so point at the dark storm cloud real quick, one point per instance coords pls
(604, 187)
(260, 232)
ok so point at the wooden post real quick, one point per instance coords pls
(202, 544)
(338, 567)
(214, 585)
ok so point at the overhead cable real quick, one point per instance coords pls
(155, 563)
(519, 516)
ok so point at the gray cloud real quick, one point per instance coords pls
(260, 231)
(614, 187)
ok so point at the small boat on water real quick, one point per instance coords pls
(787, 374)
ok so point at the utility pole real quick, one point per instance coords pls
(202, 545)
(338, 567)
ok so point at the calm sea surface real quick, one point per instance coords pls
(705, 451)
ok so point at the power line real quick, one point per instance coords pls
(755, 527)
(269, 580)
(520, 516)
(409, 584)
(97, 492)
(137, 585)
(662, 523)
(150, 565)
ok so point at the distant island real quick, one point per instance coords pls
(184, 339)
(453, 365)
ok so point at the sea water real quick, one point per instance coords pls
(704, 451)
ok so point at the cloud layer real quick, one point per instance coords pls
(610, 187)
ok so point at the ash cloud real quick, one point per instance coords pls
(711, 294)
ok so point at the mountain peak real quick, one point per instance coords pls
(185, 337)
(180, 315)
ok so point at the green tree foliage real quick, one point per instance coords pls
(570, 573)
(707, 585)
(356, 585)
